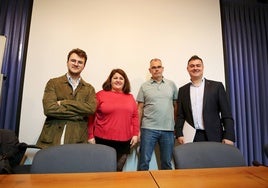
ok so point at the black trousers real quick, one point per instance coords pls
(200, 136)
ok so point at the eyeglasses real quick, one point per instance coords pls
(156, 67)
(74, 61)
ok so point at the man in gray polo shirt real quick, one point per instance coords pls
(157, 108)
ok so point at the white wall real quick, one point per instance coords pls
(117, 34)
(2, 50)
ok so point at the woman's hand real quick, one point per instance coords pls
(133, 141)
(92, 141)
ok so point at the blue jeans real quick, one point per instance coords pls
(149, 138)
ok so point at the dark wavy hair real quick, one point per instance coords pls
(107, 86)
(79, 52)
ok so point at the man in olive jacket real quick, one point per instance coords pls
(68, 101)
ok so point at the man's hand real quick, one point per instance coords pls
(180, 140)
(226, 141)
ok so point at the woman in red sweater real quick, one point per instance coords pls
(116, 121)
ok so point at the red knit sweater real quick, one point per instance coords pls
(116, 117)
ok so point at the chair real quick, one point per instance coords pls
(72, 158)
(207, 155)
(12, 153)
(266, 149)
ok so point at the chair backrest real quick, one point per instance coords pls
(266, 149)
(10, 145)
(207, 155)
(72, 158)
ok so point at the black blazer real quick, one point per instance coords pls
(217, 116)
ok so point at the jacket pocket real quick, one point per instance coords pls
(51, 133)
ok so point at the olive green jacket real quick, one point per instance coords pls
(73, 111)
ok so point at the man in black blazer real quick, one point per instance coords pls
(204, 105)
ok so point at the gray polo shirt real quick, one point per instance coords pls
(158, 111)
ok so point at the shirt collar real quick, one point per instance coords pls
(154, 81)
(70, 78)
(202, 82)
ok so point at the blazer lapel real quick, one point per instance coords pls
(189, 104)
(188, 97)
(206, 90)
